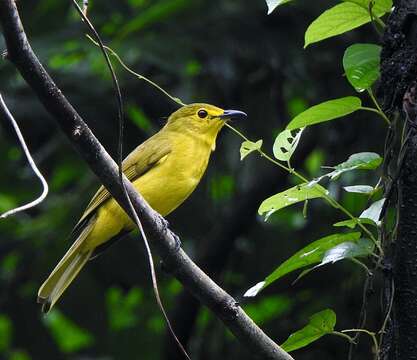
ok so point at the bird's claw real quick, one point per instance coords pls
(177, 242)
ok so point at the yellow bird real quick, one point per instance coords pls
(165, 169)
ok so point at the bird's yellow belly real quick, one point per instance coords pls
(165, 188)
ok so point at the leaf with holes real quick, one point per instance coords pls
(361, 64)
(289, 197)
(320, 324)
(285, 144)
(248, 146)
(328, 110)
(310, 255)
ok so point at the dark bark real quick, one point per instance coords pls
(399, 73)
(214, 256)
(223, 305)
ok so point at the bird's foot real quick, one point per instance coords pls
(177, 242)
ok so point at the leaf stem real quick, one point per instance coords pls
(370, 333)
(327, 197)
(345, 336)
(380, 111)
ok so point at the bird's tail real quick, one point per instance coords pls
(65, 272)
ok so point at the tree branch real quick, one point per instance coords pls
(222, 304)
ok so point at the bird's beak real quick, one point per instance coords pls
(232, 114)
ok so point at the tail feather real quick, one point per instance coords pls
(65, 272)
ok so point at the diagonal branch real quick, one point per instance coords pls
(180, 265)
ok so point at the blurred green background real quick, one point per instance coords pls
(229, 53)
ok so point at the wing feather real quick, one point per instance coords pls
(149, 154)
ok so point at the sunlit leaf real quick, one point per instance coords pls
(273, 4)
(248, 147)
(342, 18)
(320, 324)
(359, 161)
(68, 336)
(374, 211)
(347, 250)
(351, 223)
(361, 64)
(289, 197)
(285, 144)
(310, 255)
(360, 189)
(328, 110)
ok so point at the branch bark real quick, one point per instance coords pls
(398, 88)
(20, 53)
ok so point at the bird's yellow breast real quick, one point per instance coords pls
(164, 187)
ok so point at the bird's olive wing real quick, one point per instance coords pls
(149, 154)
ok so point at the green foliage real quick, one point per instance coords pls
(348, 250)
(320, 324)
(352, 223)
(222, 187)
(19, 355)
(359, 161)
(139, 118)
(329, 110)
(360, 189)
(289, 197)
(248, 147)
(123, 309)
(309, 255)
(268, 308)
(361, 64)
(285, 144)
(373, 212)
(314, 161)
(68, 336)
(344, 17)
(6, 332)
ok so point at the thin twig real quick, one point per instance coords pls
(32, 164)
(139, 76)
(120, 165)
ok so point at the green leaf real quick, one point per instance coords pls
(361, 64)
(351, 223)
(268, 308)
(326, 111)
(360, 189)
(248, 146)
(342, 18)
(289, 197)
(320, 324)
(122, 308)
(373, 212)
(285, 144)
(69, 337)
(309, 255)
(378, 5)
(6, 332)
(348, 250)
(273, 4)
(359, 161)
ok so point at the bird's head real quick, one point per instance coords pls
(201, 119)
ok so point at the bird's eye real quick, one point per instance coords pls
(202, 113)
